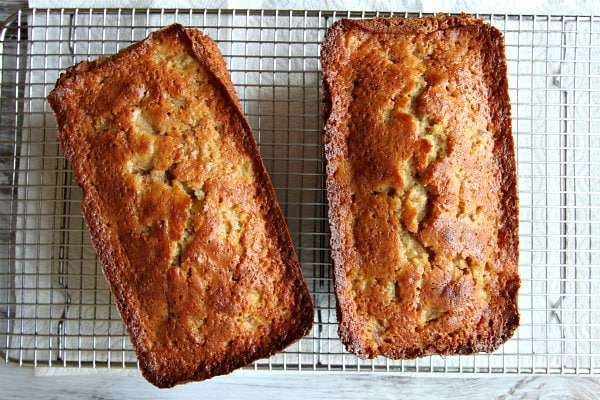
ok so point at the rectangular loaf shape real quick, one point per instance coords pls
(421, 186)
(180, 208)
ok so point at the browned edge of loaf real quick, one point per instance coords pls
(110, 255)
(332, 57)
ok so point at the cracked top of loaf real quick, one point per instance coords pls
(421, 185)
(180, 208)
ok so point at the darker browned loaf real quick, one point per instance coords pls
(421, 186)
(180, 209)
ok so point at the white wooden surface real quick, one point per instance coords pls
(18, 382)
(56, 383)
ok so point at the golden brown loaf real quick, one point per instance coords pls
(180, 208)
(421, 186)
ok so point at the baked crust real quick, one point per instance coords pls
(421, 186)
(180, 208)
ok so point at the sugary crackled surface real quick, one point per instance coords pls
(180, 208)
(421, 186)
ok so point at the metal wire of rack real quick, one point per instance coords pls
(55, 307)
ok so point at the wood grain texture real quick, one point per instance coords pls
(23, 383)
(7, 7)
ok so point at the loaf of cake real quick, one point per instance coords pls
(421, 186)
(180, 209)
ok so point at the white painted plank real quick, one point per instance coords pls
(21, 382)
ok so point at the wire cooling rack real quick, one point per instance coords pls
(55, 308)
